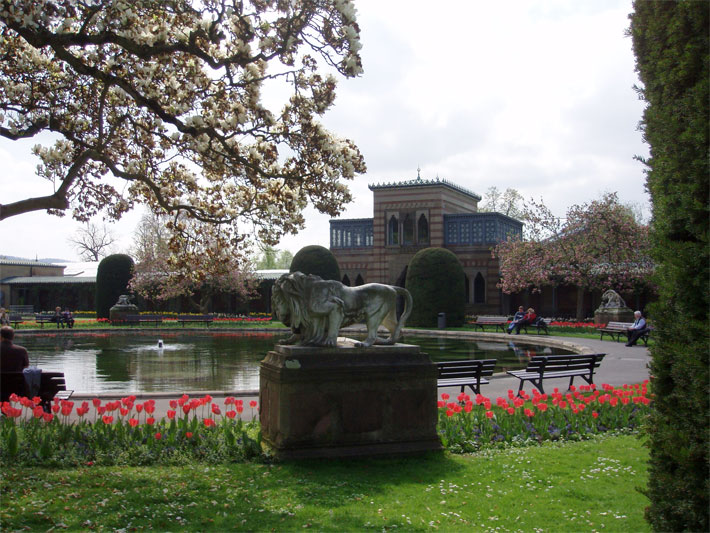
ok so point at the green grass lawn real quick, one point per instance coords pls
(582, 486)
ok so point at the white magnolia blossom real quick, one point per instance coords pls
(165, 98)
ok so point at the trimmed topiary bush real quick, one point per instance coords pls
(112, 277)
(316, 260)
(436, 280)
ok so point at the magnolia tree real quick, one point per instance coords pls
(197, 273)
(598, 245)
(160, 103)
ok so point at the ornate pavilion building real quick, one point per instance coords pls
(411, 215)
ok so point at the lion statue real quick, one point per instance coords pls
(611, 299)
(316, 309)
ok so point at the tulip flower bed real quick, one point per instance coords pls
(467, 425)
(125, 432)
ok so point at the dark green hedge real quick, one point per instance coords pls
(672, 50)
(316, 260)
(435, 278)
(112, 277)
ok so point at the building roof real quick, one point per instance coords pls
(43, 280)
(27, 262)
(271, 274)
(419, 182)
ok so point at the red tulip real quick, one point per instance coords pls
(173, 404)
(107, 419)
(158, 436)
(253, 404)
(489, 414)
(215, 409)
(150, 420)
(208, 422)
(38, 412)
(48, 417)
(170, 413)
(444, 396)
(188, 434)
(133, 422)
(231, 414)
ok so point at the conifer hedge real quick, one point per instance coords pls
(435, 278)
(112, 277)
(316, 260)
(670, 40)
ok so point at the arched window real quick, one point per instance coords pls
(393, 230)
(359, 281)
(423, 230)
(346, 280)
(408, 229)
(467, 287)
(479, 289)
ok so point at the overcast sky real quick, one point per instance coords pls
(534, 95)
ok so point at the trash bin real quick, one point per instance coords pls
(441, 320)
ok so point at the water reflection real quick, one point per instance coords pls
(134, 362)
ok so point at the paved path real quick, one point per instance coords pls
(621, 365)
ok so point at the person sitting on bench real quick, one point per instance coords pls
(13, 358)
(633, 333)
(528, 319)
(68, 318)
(517, 318)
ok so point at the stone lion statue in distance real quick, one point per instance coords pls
(316, 309)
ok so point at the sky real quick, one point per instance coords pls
(535, 95)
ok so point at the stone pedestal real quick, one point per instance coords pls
(340, 402)
(613, 314)
(122, 309)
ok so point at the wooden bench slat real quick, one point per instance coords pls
(497, 321)
(542, 367)
(470, 373)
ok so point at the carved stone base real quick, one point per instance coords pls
(613, 314)
(348, 401)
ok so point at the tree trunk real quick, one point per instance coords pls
(580, 304)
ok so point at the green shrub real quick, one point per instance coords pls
(435, 278)
(112, 277)
(316, 260)
(672, 47)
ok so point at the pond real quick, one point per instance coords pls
(103, 362)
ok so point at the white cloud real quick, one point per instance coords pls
(535, 95)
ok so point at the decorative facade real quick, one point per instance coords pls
(411, 215)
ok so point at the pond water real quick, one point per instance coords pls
(126, 363)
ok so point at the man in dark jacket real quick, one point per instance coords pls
(13, 358)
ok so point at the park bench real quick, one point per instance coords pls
(497, 321)
(52, 385)
(539, 324)
(16, 319)
(44, 318)
(616, 329)
(143, 319)
(21, 309)
(471, 373)
(206, 319)
(543, 367)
